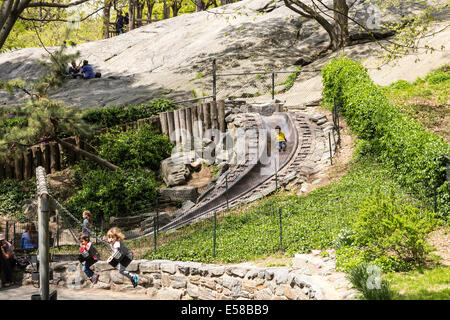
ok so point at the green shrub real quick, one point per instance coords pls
(384, 227)
(136, 148)
(367, 279)
(437, 77)
(413, 154)
(116, 193)
(387, 233)
(400, 84)
(115, 115)
(12, 195)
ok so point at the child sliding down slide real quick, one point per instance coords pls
(281, 139)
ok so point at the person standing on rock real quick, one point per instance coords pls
(119, 22)
(281, 139)
(126, 19)
(115, 238)
(86, 229)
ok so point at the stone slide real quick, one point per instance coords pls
(308, 152)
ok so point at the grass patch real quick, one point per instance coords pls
(426, 99)
(310, 222)
(422, 284)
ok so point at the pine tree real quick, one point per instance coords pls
(45, 120)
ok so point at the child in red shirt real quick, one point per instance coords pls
(86, 245)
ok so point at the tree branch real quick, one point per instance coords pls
(56, 5)
(59, 20)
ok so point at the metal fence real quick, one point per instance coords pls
(246, 84)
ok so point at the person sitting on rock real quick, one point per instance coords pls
(73, 70)
(281, 139)
(87, 72)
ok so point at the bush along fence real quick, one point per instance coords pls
(417, 157)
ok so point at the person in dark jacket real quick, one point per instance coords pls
(119, 22)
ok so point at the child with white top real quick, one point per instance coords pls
(114, 238)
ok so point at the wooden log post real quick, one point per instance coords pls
(200, 120)
(28, 171)
(69, 153)
(45, 148)
(221, 122)
(9, 169)
(54, 157)
(206, 119)
(164, 123)
(194, 115)
(190, 133)
(37, 157)
(77, 143)
(18, 167)
(182, 116)
(2, 171)
(221, 115)
(176, 116)
(214, 122)
(171, 125)
(61, 156)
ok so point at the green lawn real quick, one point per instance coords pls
(309, 222)
(427, 284)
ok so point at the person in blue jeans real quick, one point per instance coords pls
(86, 245)
(87, 72)
(29, 238)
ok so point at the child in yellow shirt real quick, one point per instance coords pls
(281, 139)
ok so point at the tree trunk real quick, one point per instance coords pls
(175, 8)
(88, 155)
(341, 22)
(198, 5)
(150, 4)
(166, 11)
(106, 17)
(131, 10)
(139, 12)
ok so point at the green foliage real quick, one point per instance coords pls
(12, 194)
(413, 154)
(369, 283)
(136, 148)
(310, 222)
(40, 117)
(289, 82)
(422, 284)
(115, 115)
(391, 232)
(109, 193)
(438, 76)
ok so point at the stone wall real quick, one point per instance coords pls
(174, 280)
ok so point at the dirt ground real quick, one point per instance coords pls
(440, 239)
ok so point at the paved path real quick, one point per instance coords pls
(25, 292)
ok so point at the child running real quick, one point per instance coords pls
(114, 238)
(281, 139)
(86, 245)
